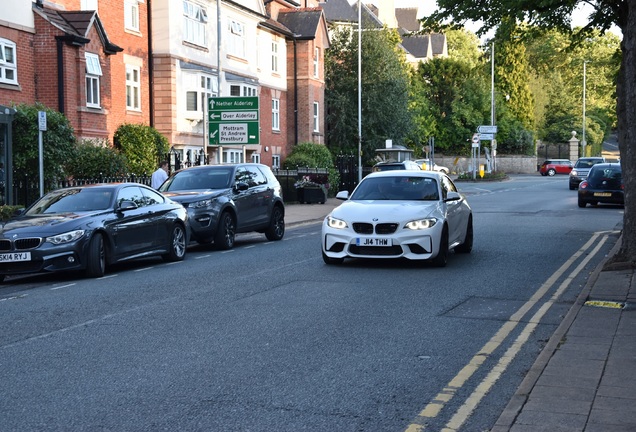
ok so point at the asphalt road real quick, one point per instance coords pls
(267, 338)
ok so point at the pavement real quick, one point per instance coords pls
(584, 380)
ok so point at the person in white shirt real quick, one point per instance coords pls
(159, 176)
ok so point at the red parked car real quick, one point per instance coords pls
(556, 166)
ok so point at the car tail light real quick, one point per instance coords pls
(583, 185)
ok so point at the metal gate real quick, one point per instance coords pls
(347, 166)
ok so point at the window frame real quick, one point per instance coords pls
(235, 38)
(232, 156)
(88, 5)
(202, 91)
(316, 62)
(243, 90)
(10, 66)
(275, 56)
(133, 88)
(316, 117)
(276, 161)
(195, 19)
(93, 80)
(131, 15)
(276, 114)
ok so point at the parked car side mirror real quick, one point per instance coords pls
(127, 205)
(453, 196)
(241, 186)
(343, 195)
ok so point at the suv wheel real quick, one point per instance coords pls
(225, 233)
(276, 229)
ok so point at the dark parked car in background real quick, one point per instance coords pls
(556, 166)
(604, 184)
(89, 227)
(581, 169)
(224, 200)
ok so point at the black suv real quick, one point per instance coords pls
(224, 200)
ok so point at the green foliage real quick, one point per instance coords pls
(463, 45)
(96, 159)
(422, 114)
(459, 101)
(511, 73)
(558, 67)
(310, 155)
(488, 176)
(142, 147)
(58, 142)
(8, 211)
(384, 72)
(548, 14)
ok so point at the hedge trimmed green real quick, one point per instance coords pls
(310, 155)
(95, 159)
(142, 145)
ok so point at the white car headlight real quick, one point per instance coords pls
(336, 223)
(202, 204)
(65, 237)
(421, 224)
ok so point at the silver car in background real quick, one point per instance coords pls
(581, 170)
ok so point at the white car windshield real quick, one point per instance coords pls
(397, 188)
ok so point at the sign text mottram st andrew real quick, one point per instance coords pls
(233, 121)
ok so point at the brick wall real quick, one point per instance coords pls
(275, 141)
(165, 115)
(24, 92)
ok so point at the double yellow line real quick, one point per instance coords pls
(434, 407)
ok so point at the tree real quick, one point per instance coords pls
(557, 14)
(463, 45)
(511, 73)
(557, 69)
(459, 101)
(384, 72)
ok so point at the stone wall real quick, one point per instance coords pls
(509, 164)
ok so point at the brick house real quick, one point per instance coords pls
(107, 62)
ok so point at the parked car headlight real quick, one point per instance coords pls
(332, 222)
(202, 204)
(65, 237)
(421, 224)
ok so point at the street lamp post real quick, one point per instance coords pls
(583, 142)
(359, 91)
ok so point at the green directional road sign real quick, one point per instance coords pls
(233, 120)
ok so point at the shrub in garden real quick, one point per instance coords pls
(142, 145)
(95, 159)
(58, 142)
(310, 155)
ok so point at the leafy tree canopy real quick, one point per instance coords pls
(384, 72)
